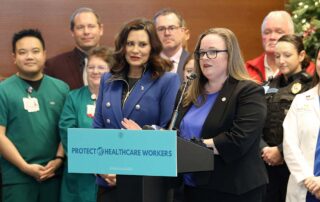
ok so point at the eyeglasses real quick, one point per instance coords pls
(170, 29)
(98, 68)
(211, 54)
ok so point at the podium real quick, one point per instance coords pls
(191, 157)
(141, 176)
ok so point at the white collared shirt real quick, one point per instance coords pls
(175, 59)
(84, 74)
(268, 70)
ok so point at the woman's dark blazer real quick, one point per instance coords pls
(235, 123)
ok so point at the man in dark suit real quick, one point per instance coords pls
(171, 29)
(86, 29)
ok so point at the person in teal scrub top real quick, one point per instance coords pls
(78, 112)
(30, 107)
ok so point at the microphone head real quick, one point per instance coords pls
(152, 127)
(147, 127)
(192, 76)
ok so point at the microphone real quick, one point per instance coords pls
(151, 127)
(190, 77)
(147, 127)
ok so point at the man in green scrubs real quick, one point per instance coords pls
(30, 106)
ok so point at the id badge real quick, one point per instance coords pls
(90, 110)
(31, 104)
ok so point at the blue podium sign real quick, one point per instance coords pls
(125, 152)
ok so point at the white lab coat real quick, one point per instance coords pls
(301, 128)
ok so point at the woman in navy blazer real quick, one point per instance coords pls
(227, 110)
(137, 89)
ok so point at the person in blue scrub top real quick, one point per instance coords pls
(138, 88)
(301, 144)
(78, 112)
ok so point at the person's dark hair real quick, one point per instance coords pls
(297, 42)
(316, 78)
(157, 64)
(27, 33)
(83, 10)
(104, 53)
(167, 11)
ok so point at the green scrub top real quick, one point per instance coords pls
(34, 134)
(76, 187)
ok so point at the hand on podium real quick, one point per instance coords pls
(210, 144)
(198, 141)
(132, 125)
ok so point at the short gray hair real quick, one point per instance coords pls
(283, 14)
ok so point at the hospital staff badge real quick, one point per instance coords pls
(296, 88)
(90, 110)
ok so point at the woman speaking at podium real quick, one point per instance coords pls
(138, 88)
(227, 110)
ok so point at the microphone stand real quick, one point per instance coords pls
(175, 113)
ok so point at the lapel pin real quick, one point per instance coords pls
(137, 107)
(108, 104)
(142, 87)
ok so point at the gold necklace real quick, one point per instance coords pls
(129, 92)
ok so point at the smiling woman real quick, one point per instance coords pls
(137, 52)
(78, 112)
(137, 89)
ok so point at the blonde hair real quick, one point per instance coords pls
(235, 68)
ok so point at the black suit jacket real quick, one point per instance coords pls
(66, 67)
(235, 123)
(183, 60)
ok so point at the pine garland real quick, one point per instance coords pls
(306, 17)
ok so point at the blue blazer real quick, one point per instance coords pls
(150, 102)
